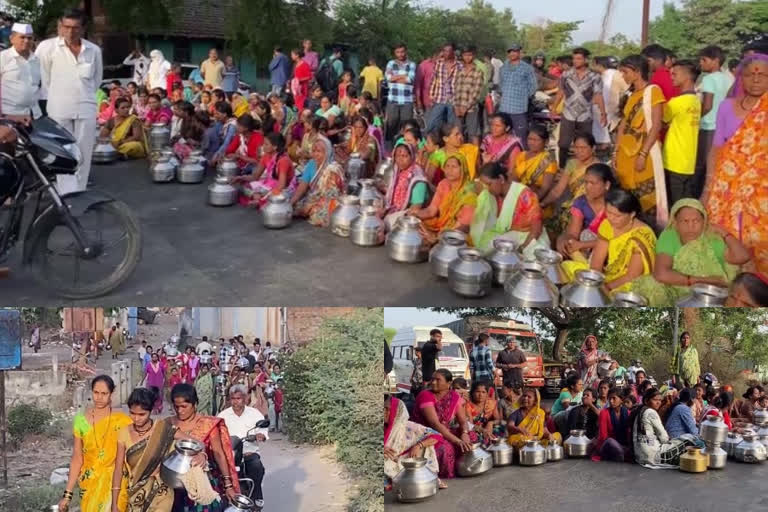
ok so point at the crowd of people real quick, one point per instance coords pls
(633, 421)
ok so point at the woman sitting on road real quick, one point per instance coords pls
(157, 113)
(140, 107)
(536, 167)
(527, 422)
(313, 128)
(322, 184)
(441, 408)
(245, 145)
(482, 412)
(748, 290)
(612, 441)
(273, 175)
(328, 110)
(125, 131)
(226, 130)
(362, 143)
(191, 133)
(747, 407)
(584, 417)
(408, 187)
(571, 395)
(680, 418)
(653, 447)
(452, 140)
(501, 145)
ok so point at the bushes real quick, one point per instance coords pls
(37, 498)
(27, 419)
(333, 391)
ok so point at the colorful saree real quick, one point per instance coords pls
(325, 189)
(99, 452)
(204, 388)
(131, 149)
(530, 170)
(401, 187)
(480, 415)
(401, 435)
(446, 409)
(501, 149)
(453, 200)
(533, 422)
(574, 172)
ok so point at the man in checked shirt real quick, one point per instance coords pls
(466, 97)
(480, 361)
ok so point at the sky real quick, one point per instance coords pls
(406, 317)
(626, 18)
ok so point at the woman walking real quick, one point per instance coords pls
(156, 379)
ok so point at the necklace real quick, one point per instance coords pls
(189, 431)
(143, 432)
(96, 437)
(746, 109)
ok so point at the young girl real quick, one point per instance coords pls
(273, 175)
(346, 82)
(244, 147)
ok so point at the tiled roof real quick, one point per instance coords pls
(198, 19)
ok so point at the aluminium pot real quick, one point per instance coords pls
(554, 451)
(529, 287)
(221, 192)
(474, 462)
(760, 417)
(342, 217)
(750, 450)
(104, 152)
(446, 250)
(716, 455)
(179, 462)
(470, 275)
(503, 259)
(405, 243)
(586, 291)
(552, 262)
(368, 195)
(241, 503)
(190, 171)
(355, 169)
(629, 300)
(713, 429)
(162, 170)
(532, 454)
(367, 230)
(384, 172)
(704, 296)
(577, 444)
(732, 440)
(228, 169)
(278, 212)
(159, 136)
(503, 454)
(761, 433)
(415, 482)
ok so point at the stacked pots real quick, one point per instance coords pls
(415, 482)
(367, 230)
(530, 287)
(714, 432)
(384, 172)
(586, 291)
(369, 196)
(278, 212)
(355, 170)
(342, 217)
(159, 136)
(228, 169)
(405, 243)
(446, 251)
(469, 275)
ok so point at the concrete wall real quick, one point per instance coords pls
(229, 322)
(34, 386)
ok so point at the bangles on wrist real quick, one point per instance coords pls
(67, 495)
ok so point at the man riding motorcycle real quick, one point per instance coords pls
(240, 418)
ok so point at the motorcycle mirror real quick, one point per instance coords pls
(263, 424)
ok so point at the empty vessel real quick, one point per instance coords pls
(704, 296)
(278, 212)
(446, 250)
(415, 482)
(367, 230)
(552, 261)
(342, 217)
(529, 287)
(470, 275)
(503, 259)
(405, 243)
(586, 291)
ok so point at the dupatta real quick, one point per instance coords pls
(401, 435)
(401, 185)
(460, 195)
(142, 461)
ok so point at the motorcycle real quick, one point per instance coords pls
(73, 241)
(242, 475)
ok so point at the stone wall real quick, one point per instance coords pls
(39, 387)
(303, 323)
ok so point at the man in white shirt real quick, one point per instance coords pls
(20, 75)
(239, 419)
(140, 65)
(72, 70)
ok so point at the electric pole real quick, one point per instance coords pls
(646, 19)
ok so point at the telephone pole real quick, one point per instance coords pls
(646, 19)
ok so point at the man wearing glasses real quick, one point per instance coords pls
(518, 83)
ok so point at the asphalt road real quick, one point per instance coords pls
(207, 256)
(586, 486)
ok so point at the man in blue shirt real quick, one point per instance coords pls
(518, 83)
(400, 74)
(480, 361)
(279, 70)
(231, 79)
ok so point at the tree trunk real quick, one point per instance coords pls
(560, 338)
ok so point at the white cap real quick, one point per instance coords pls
(22, 28)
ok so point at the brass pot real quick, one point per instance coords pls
(693, 461)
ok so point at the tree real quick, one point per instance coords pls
(618, 46)
(41, 15)
(552, 37)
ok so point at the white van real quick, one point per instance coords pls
(453, 357)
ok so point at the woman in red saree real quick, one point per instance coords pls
(302, 74)
(213, 433)
(441, 408)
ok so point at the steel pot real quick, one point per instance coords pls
(586, 291)
(704, 296)
(162, 170)
(198, 155)
(278, 212)
(762, 435)
(503, 259)
(446, 251)
(159, 136)
(693, 461)
(530, 287)
(384, 172)
(355, 168)
(179, 462)
(241, 503)
(221, 192)
(167, 152)
(367, 230)
(104, 152)
(760, 417)
(502, 453)
(474, 462)
(552, 263)
(369, 196)
(405, 243)
(415, 482)
(629, 300)
(190, 171)
(750, 450)
(716, 456)
(342, 217)
(713, 429)
(205, 358)
(470, 275)
(554, 451)
(576, 445)
(532, 454)
(228, 169)
(731, 442)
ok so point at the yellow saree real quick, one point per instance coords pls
(132, 149)
(533, 423)
(452, 200)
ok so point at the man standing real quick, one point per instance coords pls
(35, 340)
(480, 361)
(400, 74)
(581, 88)
(310, 57)
(685, 363)
(230, 78)
(372, 77)
(660, 74)
(424, 74)
(212, 69)
(280, 70)
(239, 419)
(71, 70)
(518, 83)
(20, 75)
(429, 354)
(714, 87)
(512, 360)
(466, 99)
(443, 88)
(140, 65)
(417, 376)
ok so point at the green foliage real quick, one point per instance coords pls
(333, 395)
(41, 15)
(617, 46)
(389, 333)
(25, 419)
(38, 497)
(41, 317)
(554, 38)
(131, 15)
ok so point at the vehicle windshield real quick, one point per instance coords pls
(498, 342)
(449, 350)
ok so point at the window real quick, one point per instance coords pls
(450, 350)
(181, 50)
(408, 353)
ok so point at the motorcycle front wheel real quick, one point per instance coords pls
(58, 265)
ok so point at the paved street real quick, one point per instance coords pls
(586, 486)
(202, 255)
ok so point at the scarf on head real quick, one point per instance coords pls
(737, 89)
(401, 185)
(461, 194)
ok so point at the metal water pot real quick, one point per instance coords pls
(552, 262)
(190, 171)
(713, 429)
(159, 136)
(415, 482)
(384, 171)
(503, 259)
(704, 296)
(241, 503)
(732, 440)
(586, 291)
(278, 212)
(474, 462)
(470, 275)
(228, 169)
(532, 454)
(762, 435)
(179, 462)
(693, 461)
(555, 452)
(405, 243)
(367, 230)
(629, 300)
(750, 449)
(576, 445)
(529, 287)
(760, 417)
(342, 217)
(162, 170)
(716, 455)
(503, 454)
(222, 193)
(369, 196)
(446, 251)
(198, 155)
(355, 168)
(103, 152)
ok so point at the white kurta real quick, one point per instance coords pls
(140, 68)
(19, 83)
(72, 82)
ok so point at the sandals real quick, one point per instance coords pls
(441, 485)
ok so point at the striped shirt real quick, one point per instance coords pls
(481, 364)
